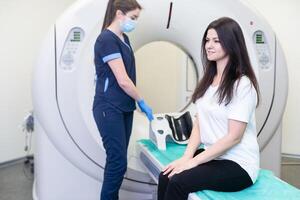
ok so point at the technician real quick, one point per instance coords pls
(116, 93)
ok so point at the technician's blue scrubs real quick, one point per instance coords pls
(113, 109)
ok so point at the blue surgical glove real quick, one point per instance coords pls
(146, 109)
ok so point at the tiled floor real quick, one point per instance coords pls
(16, 182)
(290, 171)
(16, 179)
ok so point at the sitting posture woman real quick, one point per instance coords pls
(226, 99)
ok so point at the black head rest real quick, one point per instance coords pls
(181, 126)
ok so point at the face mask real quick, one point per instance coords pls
(128, 25)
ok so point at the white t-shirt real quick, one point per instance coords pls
(213, 123)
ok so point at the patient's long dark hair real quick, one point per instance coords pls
(232, 40)
(114, 5)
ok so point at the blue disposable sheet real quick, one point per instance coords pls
(267, 186)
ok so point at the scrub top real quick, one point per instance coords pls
(108, 47)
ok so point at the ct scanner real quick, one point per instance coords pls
(69, 158)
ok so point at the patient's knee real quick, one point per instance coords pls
(163, 178)
(175, 181)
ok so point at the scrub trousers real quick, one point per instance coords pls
(115, 129)
(218, 175)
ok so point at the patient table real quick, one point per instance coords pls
(267, 186)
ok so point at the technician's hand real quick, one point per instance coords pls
(146, 109)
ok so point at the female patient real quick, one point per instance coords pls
(226, 99)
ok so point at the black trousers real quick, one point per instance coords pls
(218, 175)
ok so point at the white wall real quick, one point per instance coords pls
(165, 93)
(284, 18)
(23, 25)
(162, 93)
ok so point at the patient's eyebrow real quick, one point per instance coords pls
(214, 38)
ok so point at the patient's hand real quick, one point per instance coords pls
(176, 166)
(191, 163)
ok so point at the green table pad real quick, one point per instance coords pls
(267, 186)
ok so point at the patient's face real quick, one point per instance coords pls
(213, 47)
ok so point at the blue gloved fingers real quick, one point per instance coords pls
(143, 106)
(149, 115)
(146, 109)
